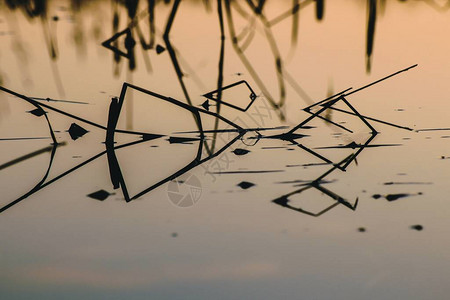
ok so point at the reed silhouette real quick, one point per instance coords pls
(118, 180)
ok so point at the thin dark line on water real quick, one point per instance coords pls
(380, 80)
(247, 172)
(308, 165)
(57, 100)
(281, 147)
(406, 183)
(433, 129)
(234, 130)
(24, 138)
(357, 146)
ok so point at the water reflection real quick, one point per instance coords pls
(373, 164)
(142, 32)
(317, 110)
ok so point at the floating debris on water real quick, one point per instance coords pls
(245, 185)
(37, 112)
(100, 195)
(182, 140)
(76, 131)
(240, 151)
(417, 227)
(393, 197)
(160, 49)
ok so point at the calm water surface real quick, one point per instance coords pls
(352, 204)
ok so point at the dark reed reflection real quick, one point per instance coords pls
(125, 40)
(294, 136)
(131, 35)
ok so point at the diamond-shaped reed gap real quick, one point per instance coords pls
(239, 92)
(307, 201)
